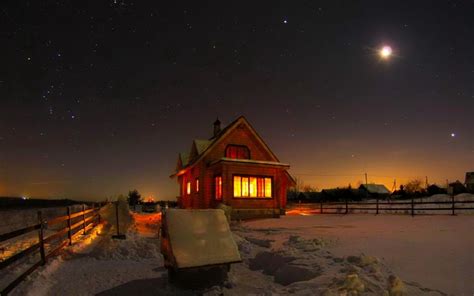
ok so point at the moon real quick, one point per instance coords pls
(385, 52)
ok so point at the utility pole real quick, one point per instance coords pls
(426, 182)
(366, 179)
(394, 187)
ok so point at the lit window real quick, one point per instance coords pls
(237, 186)
(197, 185)
(188, 187)
(237, 152)
(218, 187)
(245, 186)
(259, 187)
(253, 187)
(268, 187)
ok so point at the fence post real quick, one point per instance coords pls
(69, 236)
(117, 217)
(40, 238)
(83, 220)
(347, 207)
(93, 215)
(321, 207)
(377, 206)
(452, 201)
(412, 207)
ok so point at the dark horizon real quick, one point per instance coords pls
(99, 98)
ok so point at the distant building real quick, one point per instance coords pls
(470, 181)
(371, 190)
(435, 189)
(456, 188)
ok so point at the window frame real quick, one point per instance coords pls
(237, 145)
(254, 176)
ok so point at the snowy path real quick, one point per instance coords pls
(435, 251)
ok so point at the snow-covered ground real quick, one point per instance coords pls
(304, 255)
(434, 252)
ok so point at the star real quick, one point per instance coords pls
(285, 21)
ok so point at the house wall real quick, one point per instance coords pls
(240, 135)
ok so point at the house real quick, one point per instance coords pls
(374, 190)
(456, 188)
(470, 181)
(235, 168)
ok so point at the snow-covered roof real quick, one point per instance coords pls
(375, 188)
(200, 237)
(201, 145)
(184, 157)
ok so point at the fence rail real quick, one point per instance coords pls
(88, 219)
(377, 207)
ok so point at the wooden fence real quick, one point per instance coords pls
(377, 207)
(76, 222)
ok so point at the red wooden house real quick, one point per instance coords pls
(234, 167)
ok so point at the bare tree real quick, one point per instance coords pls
(412, 186)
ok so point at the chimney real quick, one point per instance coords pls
(217, 127)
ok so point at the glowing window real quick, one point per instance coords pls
(197, 185)
(218, 187)
(237, 186)
(254, 187)
(245, 186)
(268, 187)
(237, 152)
(188, 187)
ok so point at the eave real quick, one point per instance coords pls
(251, 161)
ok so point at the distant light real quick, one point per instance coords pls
(24, 197)
(285, 21)
(453, 135)
(385, 52)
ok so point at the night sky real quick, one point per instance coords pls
(98, 97)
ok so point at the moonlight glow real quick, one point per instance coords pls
(385, 52)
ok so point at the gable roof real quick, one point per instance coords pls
(375, 188)
(202, 147)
